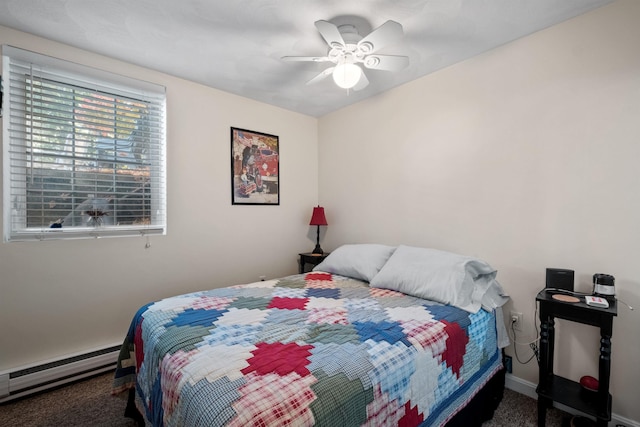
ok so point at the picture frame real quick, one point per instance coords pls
(255, 168)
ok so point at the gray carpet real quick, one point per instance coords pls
(89, 403)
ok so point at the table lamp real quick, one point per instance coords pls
(318, 219)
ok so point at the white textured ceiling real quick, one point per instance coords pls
(236, 45)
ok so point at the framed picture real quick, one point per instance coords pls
(255, 168)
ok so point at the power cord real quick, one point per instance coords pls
(534, 348)
(532, 345)
(566, 291)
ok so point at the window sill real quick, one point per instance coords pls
(83, 233)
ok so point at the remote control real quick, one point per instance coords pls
(596, 301)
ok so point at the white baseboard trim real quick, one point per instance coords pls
(529, 389)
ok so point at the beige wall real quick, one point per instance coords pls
(526, 156)
(62, 297)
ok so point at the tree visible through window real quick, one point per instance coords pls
(82, 159)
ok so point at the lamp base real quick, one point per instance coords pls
(318, 250)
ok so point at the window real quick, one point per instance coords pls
(83, 151)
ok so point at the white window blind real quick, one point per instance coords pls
(84, 151)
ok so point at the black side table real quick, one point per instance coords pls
(310, 258)
(553, 387)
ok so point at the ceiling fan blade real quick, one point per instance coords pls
(306, 58)
(330, 33)
(385, 34)
(386, 62)
(362, 83)
(323, 74)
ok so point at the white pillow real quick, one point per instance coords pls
(489, 292)
(440, 276)
(359, 261)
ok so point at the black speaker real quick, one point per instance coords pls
(560, 278)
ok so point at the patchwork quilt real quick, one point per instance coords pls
(309, 349)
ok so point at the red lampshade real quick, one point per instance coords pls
(318, 217)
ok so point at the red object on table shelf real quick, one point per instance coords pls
(589, 383)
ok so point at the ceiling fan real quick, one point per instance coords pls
(348, 49)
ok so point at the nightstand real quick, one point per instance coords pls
(311, 259)
(553, 387)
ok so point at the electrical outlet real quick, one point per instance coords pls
(516, 320)
(508, 364)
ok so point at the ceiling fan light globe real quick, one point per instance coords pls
(347, 76)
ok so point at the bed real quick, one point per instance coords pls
(362, 340)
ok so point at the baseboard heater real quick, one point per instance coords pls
(30, 379)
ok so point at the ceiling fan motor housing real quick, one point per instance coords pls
(348, 49)
(352, 51)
